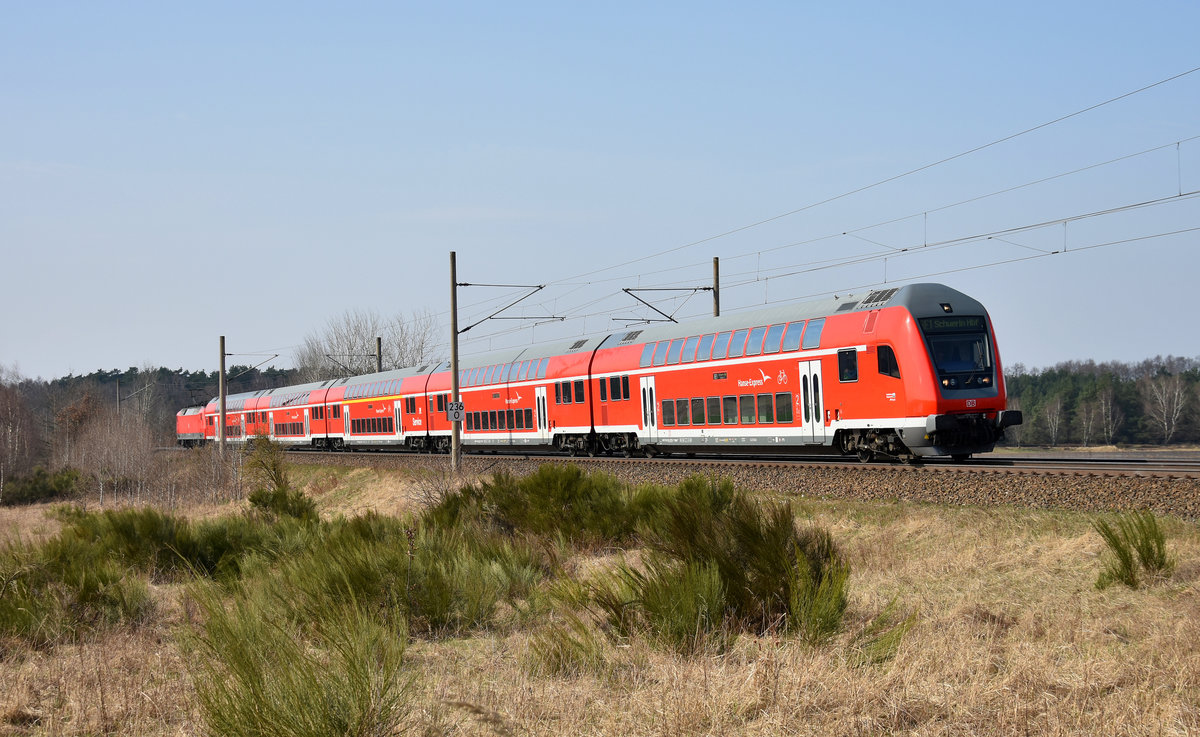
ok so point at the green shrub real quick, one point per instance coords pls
(273, 493)
(717, 561)
(556, 500)
(1135, 543)
(339, 674)
(440, 581)
(163, 545)
(58, 589)
(40, 486)
(818, 601)
(680, 605)
(284, 502)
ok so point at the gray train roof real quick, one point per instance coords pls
(920, 299)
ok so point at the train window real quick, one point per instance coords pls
(525, 369)
(888, 366)
(774, 336)
(754, 343)
(337, 411)
(704, 352)
(747, 403)
(714, 410)
(647, 355)
(487, 375)
(603, 390)
(816, 398)
(520, 417)
(541, 374)
(804, 398)
(737, 343)
(783, 408)
(697, 411)
(673, 352)
(791, 338)
(491, 422)
(614, 387)
(566, 392)
(766, 409)
(689, 350)
(720, 346)
(848, 365)
(729, 410)
(660, 352)
(529, 419)
(681, 411)
(579, 391)
(470, 423)
(558, 394)
(668, 413)
(812, 336)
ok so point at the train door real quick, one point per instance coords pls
(649, 410)
(812, 401)
(543, 424)
(398, 411)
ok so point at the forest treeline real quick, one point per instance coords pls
(1154, 402)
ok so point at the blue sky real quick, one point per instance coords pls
(170, 173)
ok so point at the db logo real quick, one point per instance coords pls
(970, 402)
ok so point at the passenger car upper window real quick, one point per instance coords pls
(812, 336)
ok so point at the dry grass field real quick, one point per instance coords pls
(1011, 637)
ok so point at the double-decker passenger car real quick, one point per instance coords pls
(903, 372)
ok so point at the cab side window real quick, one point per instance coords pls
(888, 365)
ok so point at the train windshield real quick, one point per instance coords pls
(958, 346)
(961, 353)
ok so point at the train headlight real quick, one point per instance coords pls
(985, 380)
(953, 383)
(945, 382)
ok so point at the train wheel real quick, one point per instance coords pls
(865, 456)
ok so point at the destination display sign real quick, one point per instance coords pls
(951, 323)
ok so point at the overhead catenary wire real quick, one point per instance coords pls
(899, 176)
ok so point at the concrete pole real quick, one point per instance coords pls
(379, 355)
(221, 391)
(455, 427)
(716, 287)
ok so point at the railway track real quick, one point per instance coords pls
(1183, 465)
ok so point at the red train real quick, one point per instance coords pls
(904, 372)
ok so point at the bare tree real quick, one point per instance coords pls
(346, 345)
(18, 436)
(1111, 416)
(1164, 397)
(1086, 417)
(1016, 433)
(1055, 416)
(118, 452)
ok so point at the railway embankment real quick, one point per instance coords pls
(1094, 492)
